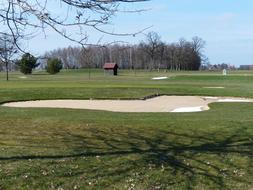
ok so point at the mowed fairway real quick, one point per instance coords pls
(83, 149)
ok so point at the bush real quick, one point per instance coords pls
(27, 63)
(54, 66)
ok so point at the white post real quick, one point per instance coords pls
(224, 72)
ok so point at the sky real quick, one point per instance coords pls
(225, 25)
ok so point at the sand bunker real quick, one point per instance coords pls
(159, 78)
(214, 87)
(157, 104)
(23, 77)
(188, 109)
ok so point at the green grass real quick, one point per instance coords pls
(76, 85)
(82, 149)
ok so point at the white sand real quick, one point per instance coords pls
(189, 109)
(157, 104)
(159, 78)
(23, 77)
(211, 98)
(234, 100)
(214, 87)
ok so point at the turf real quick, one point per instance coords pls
(82, 149)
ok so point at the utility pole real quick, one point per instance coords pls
(130, 57)
(110, 52)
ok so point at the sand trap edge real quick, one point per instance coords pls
(157, 104)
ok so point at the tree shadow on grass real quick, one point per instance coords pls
(194, 157)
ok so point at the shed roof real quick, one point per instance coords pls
(110, 65)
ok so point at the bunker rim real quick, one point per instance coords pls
(174, 104)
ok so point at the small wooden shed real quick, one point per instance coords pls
(111, 68)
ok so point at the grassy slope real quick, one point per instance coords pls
(75, 84)
(81, 149)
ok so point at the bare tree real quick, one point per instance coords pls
(7, 51)
(181, 55)
(151, 46)
(161, 53)
(23, 18)
(198, 44)
(86, 55)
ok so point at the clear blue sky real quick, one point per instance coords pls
(225, 25)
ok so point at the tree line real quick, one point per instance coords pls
(150, 54)
(21, 20)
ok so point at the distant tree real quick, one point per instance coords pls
(205, 64)
(161, 54)
(27, 63)
(7, 51)
(54, 66)
(149, 54)
(198, 44)
(151, 46)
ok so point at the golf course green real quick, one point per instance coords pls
(62, 149)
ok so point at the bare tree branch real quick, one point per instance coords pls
(23, 18)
